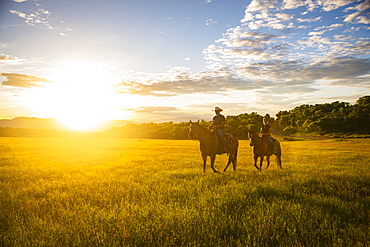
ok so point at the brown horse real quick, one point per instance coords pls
(261, 149)
(209, 145)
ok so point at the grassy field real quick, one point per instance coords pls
(116, 192)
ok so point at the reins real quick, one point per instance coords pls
(206, 132)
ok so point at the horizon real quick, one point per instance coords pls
(195, 117)
(84, 63)
(110, 123)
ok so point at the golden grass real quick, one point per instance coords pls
(122, 192)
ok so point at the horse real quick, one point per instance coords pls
(261, 149)
(209, 145)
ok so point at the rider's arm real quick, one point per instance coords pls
(220, 125)
(268, 132)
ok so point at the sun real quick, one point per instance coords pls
(81, 96)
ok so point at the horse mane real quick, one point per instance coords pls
(201, 126)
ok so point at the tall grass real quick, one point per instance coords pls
(116, 192)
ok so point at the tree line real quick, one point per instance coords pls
(330, 118)
(337, 118)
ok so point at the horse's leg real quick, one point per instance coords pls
(278, 161)
(268, 161)
(255, 161)
(234, 161)
(213, 158)
(278, 156)
(261, 163)
(235, 158)
(228, 163)
(204, 157)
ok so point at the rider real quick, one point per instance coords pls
(218, 124)
(266, 130)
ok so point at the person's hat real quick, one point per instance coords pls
(218, 108)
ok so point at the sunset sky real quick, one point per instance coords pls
(84, 62)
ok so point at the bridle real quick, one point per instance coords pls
(192, 135)
(250, 137)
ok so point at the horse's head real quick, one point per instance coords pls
(250, 137)
(193, 130)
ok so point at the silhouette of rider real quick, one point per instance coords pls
(218, 124)
(266, 130)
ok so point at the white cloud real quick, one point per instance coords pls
(210, 22)
(329, 5)
(351, 17)
(310, 19)
(293, 4)
(283, 16)
(317, 33)
(40, 16)
(254, 52)
(261, 5)
(4, 57)
(247, 17)
(361, 13)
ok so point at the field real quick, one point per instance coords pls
(122, 192)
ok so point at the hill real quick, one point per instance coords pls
(53, 124)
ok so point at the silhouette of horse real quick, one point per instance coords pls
(261, 149)
(209, 145)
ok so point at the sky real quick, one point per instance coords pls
(174, 60)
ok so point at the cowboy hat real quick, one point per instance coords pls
(218, 109)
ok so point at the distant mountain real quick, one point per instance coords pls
(54, 124)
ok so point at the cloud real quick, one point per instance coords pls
(250, 57)
(161, 114)
(41, 16)
(6, 57)
(269, 49)
(293, 4)
(275, 77)
(244, 38)
(330, 5)
(154, 109)
(361, 13)
(298, 73)
(210, 22)
(21, 80)
(325, 5)
(179, 83)
(310, 19)
(261, 5)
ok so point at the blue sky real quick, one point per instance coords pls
(172, 60)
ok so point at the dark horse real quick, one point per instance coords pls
(209, 145)
(261, 149)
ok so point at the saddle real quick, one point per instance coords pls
(228, 138)
(271, 147)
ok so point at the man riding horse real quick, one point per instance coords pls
(218, 125)
(266, 132)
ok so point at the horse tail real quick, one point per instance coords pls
(278, 154)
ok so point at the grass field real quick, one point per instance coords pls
(117, 192)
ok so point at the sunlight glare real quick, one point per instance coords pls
(81, 96)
